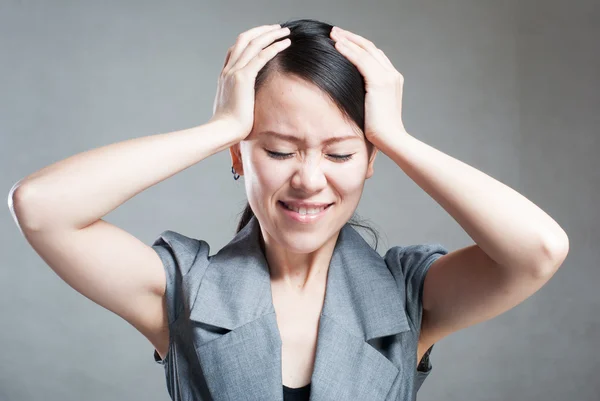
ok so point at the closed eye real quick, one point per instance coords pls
(278, 155)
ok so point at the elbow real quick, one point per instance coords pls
(21, 208)
(555, 250)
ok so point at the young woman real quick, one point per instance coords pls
(297, 301)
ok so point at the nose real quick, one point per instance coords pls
(309, 177)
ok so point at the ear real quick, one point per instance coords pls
(370, 166)
(236, 158)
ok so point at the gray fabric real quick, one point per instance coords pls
(224, 340)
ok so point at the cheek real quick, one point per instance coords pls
(265, 175)
(348, 182)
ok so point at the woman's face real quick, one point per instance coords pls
(310, 169)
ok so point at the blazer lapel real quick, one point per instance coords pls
(238, 343)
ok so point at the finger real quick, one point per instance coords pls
(387, 60)
(227, 56)
(366, 44)
(362, 59)
(242, 41)
(266, 54)
(258, 44)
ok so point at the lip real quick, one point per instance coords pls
(299, 204)
(306, 218)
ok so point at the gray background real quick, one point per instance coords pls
(508, 87)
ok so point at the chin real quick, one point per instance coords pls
(302, 241)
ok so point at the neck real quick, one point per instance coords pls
(297, 270)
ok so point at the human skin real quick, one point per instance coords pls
(310, 170)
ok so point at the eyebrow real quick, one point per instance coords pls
(294, 139)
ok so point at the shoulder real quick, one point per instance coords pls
(409, 265)
(411, 260)
(180, 251)
(179, 241)
(185, 260)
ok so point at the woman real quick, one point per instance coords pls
(297, 300)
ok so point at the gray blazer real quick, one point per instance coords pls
(225, 344)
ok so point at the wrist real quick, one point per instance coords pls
(229, 127)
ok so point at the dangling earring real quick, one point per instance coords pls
(236, 176)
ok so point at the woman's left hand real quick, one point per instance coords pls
(383, 85)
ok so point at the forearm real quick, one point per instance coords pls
(508, 227)
(81, 189)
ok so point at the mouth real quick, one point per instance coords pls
(304, 215)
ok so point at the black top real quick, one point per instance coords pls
(296, 394)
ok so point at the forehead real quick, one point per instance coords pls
(291, 105)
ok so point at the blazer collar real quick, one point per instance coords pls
(240, 349)
(361, 293)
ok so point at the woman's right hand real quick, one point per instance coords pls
(234, 101)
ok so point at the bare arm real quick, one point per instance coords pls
(59, 210)
(77, 191)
